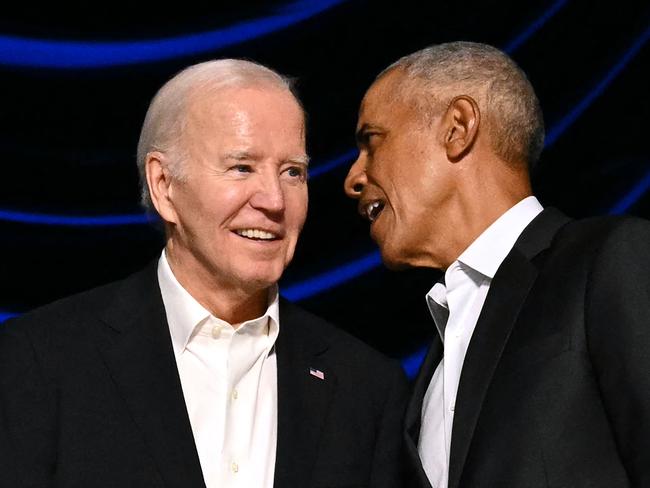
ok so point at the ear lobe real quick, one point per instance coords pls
(159, 181)
(461, 121)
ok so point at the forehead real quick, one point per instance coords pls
(256, 113)
(258, 100)
(386, 103)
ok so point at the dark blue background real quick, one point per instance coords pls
(76, 83)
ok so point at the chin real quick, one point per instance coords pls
(392, 259)
(263, 278)
(259, 282)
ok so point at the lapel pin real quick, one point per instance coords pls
(317, 373)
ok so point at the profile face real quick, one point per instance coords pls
(401, 177)
(243, 202)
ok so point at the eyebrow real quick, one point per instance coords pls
(299, 159)
(249, 156)
(240, 155)
(363, 129)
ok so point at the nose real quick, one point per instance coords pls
(269, 196)
(356, 179)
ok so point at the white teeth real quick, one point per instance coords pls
(256, 234)
(371, 210)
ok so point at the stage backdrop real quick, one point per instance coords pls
(76, 84)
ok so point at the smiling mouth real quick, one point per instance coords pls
(257, 234)
(373, 209)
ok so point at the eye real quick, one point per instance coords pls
(294, 171)
(367, 139)
(297, 172)
(242, 168)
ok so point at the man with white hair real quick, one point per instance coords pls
(193, 372)
(538, 375)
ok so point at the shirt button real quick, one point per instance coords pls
(452, 407)
(235, 395)
(234, 467)
(216, 331)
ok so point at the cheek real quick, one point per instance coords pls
(410, 211)
(297, 205)
(222, 203)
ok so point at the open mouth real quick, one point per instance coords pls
(257, 234)
(373, 209)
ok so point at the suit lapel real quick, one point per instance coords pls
(508, 291)
(141, 362)
(413, 419)
(303, 399)
(514, 280)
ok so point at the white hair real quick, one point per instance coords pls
(493, 79)
(165, 121)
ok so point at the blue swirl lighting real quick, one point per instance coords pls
(75, 220)
(330, 279)
(140, 218)
(354, 271)
(39, 53)
(411, 363)
(317, 284)
(631, 197)
(567, 121)
(6, 315)
(534, 27)
(345, 158)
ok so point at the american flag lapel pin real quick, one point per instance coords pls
(317, 373)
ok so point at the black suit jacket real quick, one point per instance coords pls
(91, 397)
(555, 387)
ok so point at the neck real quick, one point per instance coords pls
(221, 298)
(480, 201)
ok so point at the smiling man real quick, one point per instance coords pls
(538, 375)
(194, 372)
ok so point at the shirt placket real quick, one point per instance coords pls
(210, 352)
(245, 354)
(458, 293)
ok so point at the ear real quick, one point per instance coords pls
(460, 125)
(160, 182)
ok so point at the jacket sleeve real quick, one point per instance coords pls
(27, 412)
(618, 336)
(387, 461)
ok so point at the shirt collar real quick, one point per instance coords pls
(482, 258)
(184, 313)
(488, 250)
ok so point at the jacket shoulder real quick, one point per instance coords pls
(68, 312)
(605, 226)
(349, 352)
(585, 239)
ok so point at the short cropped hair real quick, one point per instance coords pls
(166, 117)
(501, 89)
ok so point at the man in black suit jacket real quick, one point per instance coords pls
(106, 388)
(539, 375)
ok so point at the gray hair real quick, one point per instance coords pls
(493, 79)
(165, 121)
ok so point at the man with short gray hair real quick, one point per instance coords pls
(538, 373)
(194, 372)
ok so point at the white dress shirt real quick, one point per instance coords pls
(455, 307)
(229, 380)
